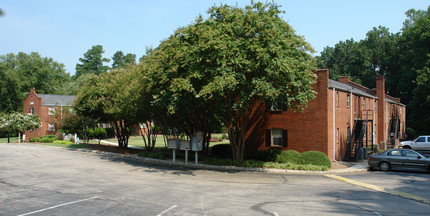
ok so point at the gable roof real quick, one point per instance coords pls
(349, 88)
(57, 100)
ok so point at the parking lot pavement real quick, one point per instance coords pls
(40, 180)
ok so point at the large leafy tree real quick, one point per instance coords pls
(112, 98)
(92, 63)
(345, 58)
(415, 64)
(232, 62)
(19, 73)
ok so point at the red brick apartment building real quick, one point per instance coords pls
(45, 105)
(343, 117)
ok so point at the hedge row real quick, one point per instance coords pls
(276, 155)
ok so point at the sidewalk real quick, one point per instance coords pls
(354, 167)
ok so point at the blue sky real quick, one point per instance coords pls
(66, 29)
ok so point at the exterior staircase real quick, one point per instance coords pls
(355, 140)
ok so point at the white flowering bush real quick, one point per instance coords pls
(18, 122)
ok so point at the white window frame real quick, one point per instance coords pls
(51, 127)
(281, 137)
(347, 100)
(51, 111)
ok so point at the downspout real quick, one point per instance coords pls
(334, 126)
(351, 125)
(373, 121)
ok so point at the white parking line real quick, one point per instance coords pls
(52, 207)
(167, 210)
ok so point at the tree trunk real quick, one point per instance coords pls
(8, 137)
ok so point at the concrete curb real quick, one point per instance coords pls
(381, 189)
(353, 169)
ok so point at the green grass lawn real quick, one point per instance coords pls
(12, 140)
(159, 143)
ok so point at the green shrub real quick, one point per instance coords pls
(47, 139)
(62, 142)
(289, 156)
(269, 155)
(222, 150)
(35, 139)
(315, 158)
(50, 136)
(99, 133)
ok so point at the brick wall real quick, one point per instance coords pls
(35, 102)
(325, 124)
(307, 130)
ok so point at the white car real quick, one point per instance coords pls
(420, 143)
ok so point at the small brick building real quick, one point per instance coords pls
(45, 105)
(343, 113)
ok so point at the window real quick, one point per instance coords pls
(410, 154)
(337, 99)
(276, 106)
(347, 101)
(31, 110)
(276, 137)
(337, 135)
(355, 105)
(420, 139)
(51, 127)
(395, 153)
(51, 110)
(364, 104)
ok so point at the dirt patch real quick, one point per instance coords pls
(337, 165)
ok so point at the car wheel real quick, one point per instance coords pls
(384, 166)
(406, 147)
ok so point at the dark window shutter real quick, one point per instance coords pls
(285, 138)
(268, 106)
(284, 107)
(268, 138)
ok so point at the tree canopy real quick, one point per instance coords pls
(120, 60)
(233, 61)
(114, 98)
(19, 73)
(92, 63)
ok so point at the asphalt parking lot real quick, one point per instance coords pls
(40, 180)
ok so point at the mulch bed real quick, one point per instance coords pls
(111, 148)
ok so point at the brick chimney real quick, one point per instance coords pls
(344, 79)
(380, 93)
